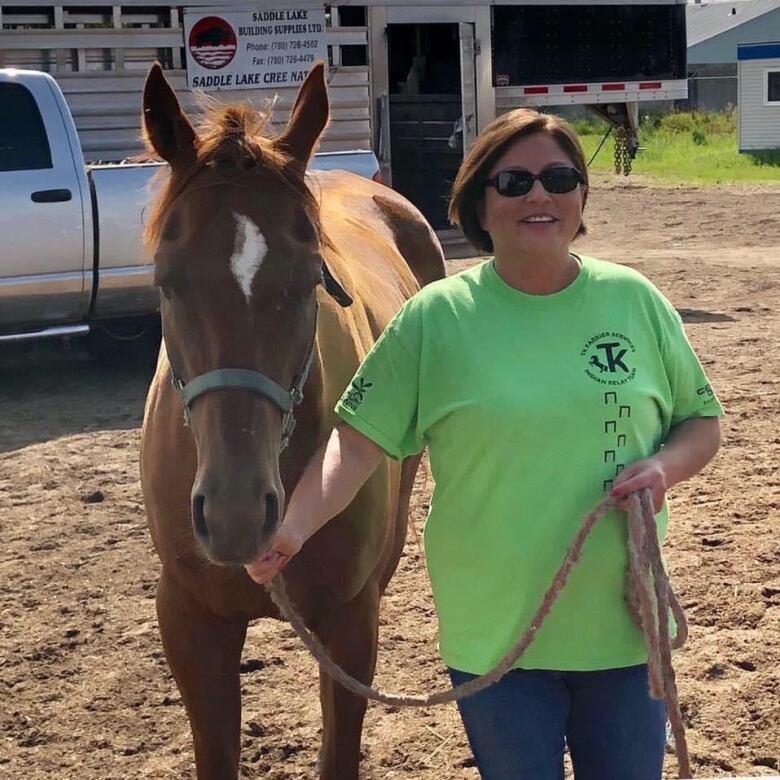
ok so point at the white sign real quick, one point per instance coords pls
(265, 48)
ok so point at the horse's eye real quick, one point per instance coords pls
(292, 299)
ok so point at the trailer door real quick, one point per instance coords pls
(468, 84)
(432, 106)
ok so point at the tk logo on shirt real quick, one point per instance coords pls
(609, 358)
(357, 393)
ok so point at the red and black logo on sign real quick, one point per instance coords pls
(212, 42)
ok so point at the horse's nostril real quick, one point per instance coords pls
(271, 514)
(199, 519)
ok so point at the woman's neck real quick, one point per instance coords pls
(537, 275)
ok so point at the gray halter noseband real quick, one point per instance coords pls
(258, 383)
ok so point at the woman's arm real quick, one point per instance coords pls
(327, 486)
(690, 446)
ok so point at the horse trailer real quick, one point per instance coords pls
(443, 69)
(414, 79)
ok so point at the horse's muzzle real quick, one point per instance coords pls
(235, 531)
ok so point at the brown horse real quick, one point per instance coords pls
(248, 249)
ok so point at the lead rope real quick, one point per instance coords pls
(649, 594)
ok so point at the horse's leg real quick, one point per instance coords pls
(349, 632)
(204, 653)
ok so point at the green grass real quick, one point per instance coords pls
(686, 149)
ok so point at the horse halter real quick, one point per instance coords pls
(257, 382)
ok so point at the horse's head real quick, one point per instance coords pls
(237, 252)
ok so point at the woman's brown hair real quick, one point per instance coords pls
(469, 187)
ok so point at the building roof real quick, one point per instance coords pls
(709, 19)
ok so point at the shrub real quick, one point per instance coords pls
(678, 123)
(707, 122)
(768, 158)
(588, 125)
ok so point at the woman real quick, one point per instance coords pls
(539, 380)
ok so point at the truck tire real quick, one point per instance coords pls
(121, 341)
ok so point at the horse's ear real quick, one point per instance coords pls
(308, 118)
(167, 129)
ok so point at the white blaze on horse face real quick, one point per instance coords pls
(248, 255)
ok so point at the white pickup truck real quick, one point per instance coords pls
(71, 257)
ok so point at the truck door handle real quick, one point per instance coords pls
(51, 196)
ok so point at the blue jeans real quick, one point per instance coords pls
(518, 728)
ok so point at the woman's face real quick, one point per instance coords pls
(539, 224)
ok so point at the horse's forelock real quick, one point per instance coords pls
(235, 129)
(231, 136)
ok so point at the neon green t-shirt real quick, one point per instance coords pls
(530, 405)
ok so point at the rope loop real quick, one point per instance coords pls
(649, 595)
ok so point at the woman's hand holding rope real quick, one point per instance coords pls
(647, 473)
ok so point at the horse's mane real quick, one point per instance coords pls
(233, 138)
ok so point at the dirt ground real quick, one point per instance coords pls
(85, 691)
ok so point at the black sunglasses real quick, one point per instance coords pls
(557, 180)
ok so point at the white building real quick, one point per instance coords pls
(759, 96)
(715, 29)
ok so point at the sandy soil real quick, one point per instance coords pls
(84, 688)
